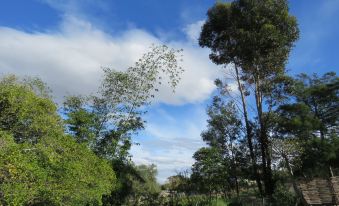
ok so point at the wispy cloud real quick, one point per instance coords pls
(193, 31)
(71, 58)
(78, 8)
(171, 144)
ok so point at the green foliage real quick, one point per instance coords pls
(181, 183)
(283, 197)
(313, 113)
(250, 33)
(145, 192)
(28, 116)
(108, 120)
(219, 202)
(137, 186)
(193, 200)
(224, 125)
(315, 109)
(209, 172)
(318, 156)
(80, 123)
(201, 201)
(297, 119)
(255, 36)
(55, 170)
(39, 164)
(320, 96)
(235, 202)
(218, 166)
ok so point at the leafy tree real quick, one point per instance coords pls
(145, 192)
(209, 172)
(311, 114)
(28, 115)
(54, 171)
(41, 165)
(256, 37)
(223, 132)
(296, 120)
(181, 188)
(183, 183)
(283, 197)
(287, 154)
(80, 123)
(108, 120)
(320, 96)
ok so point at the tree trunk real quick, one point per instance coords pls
(288, 166)
(263, 140)
(249, 134)
(237, 186)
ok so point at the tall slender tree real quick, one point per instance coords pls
(256, 37)
(223, 132)
(108, 120)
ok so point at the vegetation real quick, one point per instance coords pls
(272, 131)
(302, 145)
(80, 157)
(256, 37)
(259, 152)
(39, 163)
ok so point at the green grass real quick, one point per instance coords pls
(219, 202)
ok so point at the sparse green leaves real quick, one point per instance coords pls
(114, 114)
(137, 85)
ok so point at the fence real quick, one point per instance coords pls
(320, 191)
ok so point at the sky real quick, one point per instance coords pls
(67, 42)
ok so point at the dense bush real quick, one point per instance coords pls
(283, 197)
(39, 164)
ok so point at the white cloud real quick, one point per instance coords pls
(70, 59)
(80, 8)
(168, 161)
(193, 30)
(170, 144)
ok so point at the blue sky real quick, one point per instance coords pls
(65, 42)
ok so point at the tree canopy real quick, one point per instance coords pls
(255, 36)
(40, 164)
